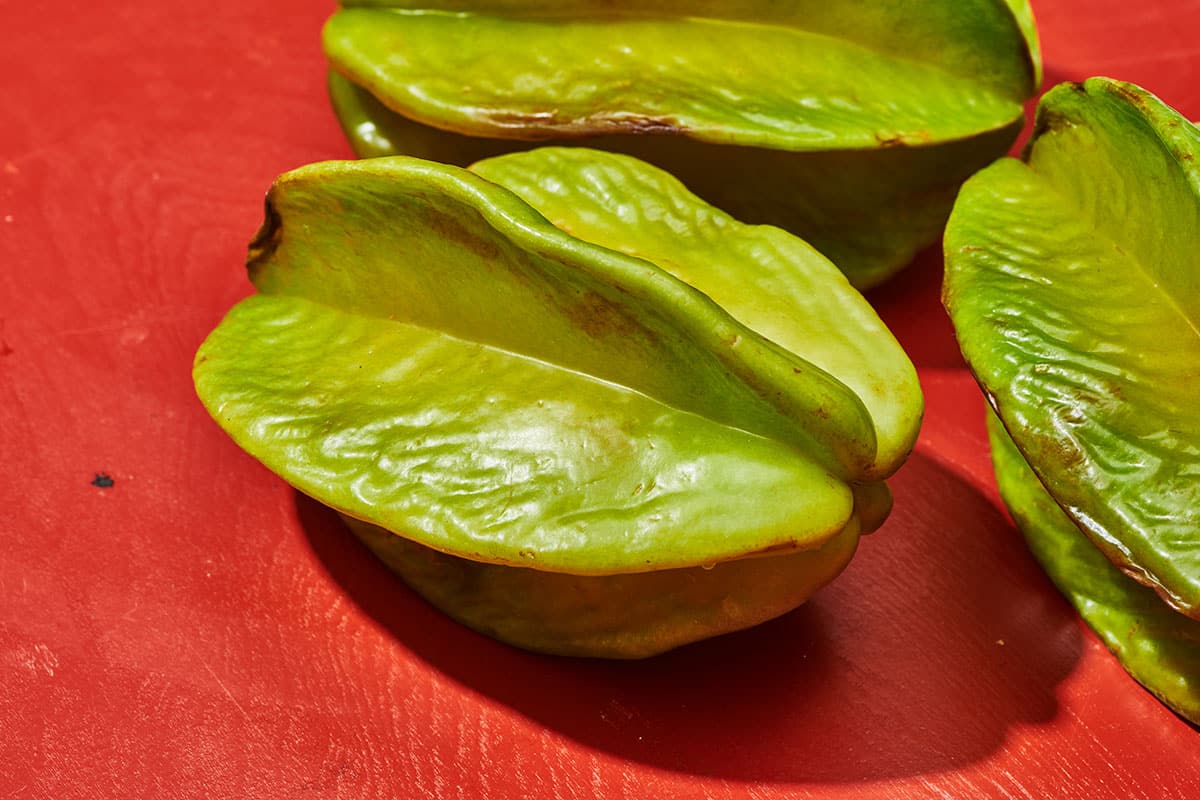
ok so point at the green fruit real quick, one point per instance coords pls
(529, 407)
(851, 124)
(1074, 288)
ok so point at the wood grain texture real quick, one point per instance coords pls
(198, 630)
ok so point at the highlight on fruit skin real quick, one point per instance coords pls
(586, 414)
(851, 124)
(1073, 283)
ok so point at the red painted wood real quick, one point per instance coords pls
(197, 630)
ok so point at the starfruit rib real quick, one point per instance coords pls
(497, 457)
(771, 281)
(540, 78)
(1073, 286)
(1158, 646)
(441, 248)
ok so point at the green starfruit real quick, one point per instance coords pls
(641, 425)
(1073, 283)
(851, 124)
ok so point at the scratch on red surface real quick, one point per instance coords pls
(137, 325)
(249, 720)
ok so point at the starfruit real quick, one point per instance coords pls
(586, 414)
(849, 123)
(1073, 283)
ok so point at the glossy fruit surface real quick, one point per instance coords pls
(851, 124)
(429, 354)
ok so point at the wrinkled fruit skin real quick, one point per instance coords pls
(661, 426)
(849, 124)
(1074, 289)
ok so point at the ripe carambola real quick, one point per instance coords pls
(586, 414)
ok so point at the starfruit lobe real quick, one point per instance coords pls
(625, 616)
(1074, 287)
(850, 124)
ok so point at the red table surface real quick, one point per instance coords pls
(199, 630)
